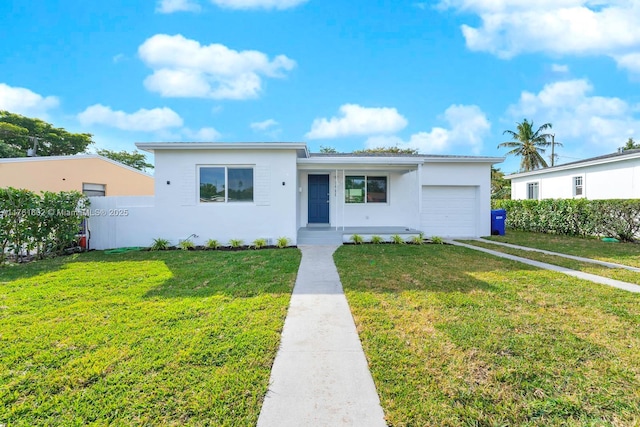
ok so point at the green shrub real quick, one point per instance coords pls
(160, 244)
(377, 240)
(236, 243)
(357, 239)
(416, 240)
(259, 243)
(212, 244)
(397, 239)
(186, 245)
(579, 217)
(437, 240)
(282, 242)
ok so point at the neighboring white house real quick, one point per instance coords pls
(247, 191)
(612, 176)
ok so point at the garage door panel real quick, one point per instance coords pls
(449, 211)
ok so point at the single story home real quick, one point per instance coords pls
(248, 191)
(612, 176)
(90, 174)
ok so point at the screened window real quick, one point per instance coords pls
(532, 190)
(365, 189)
(222, 184)
(94, 189)
(577, 186)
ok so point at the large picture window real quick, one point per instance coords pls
(365, 189)
(222, 184)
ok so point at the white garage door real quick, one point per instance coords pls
(449, 211)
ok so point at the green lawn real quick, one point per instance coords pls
(142, 338)
(612, 273)
(622, 253)
(455, 337)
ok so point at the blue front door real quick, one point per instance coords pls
(319, 199)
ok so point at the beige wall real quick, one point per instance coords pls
(69, 173)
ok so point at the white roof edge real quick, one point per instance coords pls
(362, 160)
(151, 146)
(72, 157)
(453, 159)
(573, 166)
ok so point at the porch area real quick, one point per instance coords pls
(326, 235)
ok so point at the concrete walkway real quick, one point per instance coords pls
(579, 274)
(320, 376)
(573, 257)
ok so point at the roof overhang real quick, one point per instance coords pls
(152, 147)
(463, 159)
(403, 164)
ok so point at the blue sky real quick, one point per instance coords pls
(443, 76)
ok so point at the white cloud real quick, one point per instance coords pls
(206, 134)
(185, 68)
(557, 27)
(468, 126)
(171, 6)
(578, 116)
(23, 101)
(263, 125)
(357, 120)
(258, 4)
(142, 120)
(560, 68)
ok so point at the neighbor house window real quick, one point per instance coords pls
(365, 189)
(532, 190)
(224, 184)
(94, 189)
(577, 186)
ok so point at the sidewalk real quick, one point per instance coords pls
(579, 274)
(320, 376)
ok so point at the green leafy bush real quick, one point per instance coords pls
(46, 224)
(377, 240)
(259, 243)
(160, 244)
(357, 239)
(282, 242)
(236, 243)
(437, 240)
(579, 217)
(212, 244)
(397, 239)
(186, 245)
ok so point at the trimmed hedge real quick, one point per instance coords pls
(42, 224)
(614, 218)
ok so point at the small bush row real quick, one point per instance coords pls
(580, 217)
(161, 244)
(395, 239)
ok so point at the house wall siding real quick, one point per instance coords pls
(620, 180)
(176, 213)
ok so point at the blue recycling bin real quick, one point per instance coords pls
(498, 219)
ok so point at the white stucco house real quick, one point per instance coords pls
(247, 191)
(612, 176)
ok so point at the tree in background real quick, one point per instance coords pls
(18, 134)
(328, 150)
(529, 145)
(631, 145)
(387, 150)
(135, 159)
(500, 187)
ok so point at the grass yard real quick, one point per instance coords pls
(621, 253)
(142, 338)
(612, 273)
(455, 337)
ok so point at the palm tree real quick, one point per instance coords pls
(528, 145)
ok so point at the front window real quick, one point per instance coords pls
(222, 184)
(94, 189)
(577, 186)
(365, 189)
(532, 190)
